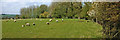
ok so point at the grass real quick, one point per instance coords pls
(69, 28)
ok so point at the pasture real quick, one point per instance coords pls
(69, 28)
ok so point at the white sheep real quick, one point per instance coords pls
(33, 23)
(62, 20)
(50, 20)
(14, 20)
(47, 23)
(56, 20)
(27, 24)
(22, 25)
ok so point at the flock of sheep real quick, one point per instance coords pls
(28, 24)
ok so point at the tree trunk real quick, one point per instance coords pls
(96, 20)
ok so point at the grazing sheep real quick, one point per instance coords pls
(27, 24)
(56, 20)
(14, 20)
(22, 25)
(33, 23)
(50, 20)
(47, 23)
(62, 20)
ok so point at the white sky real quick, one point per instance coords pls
(26, 0)
(14, 6)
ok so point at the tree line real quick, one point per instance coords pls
(57, 10)
(33, 11)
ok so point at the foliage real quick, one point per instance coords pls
(65, 9)
(85, 9)
(33, 11)
(107, 14)
(44, 15)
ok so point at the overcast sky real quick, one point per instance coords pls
(14, 6)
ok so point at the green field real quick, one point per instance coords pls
(69, 28)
